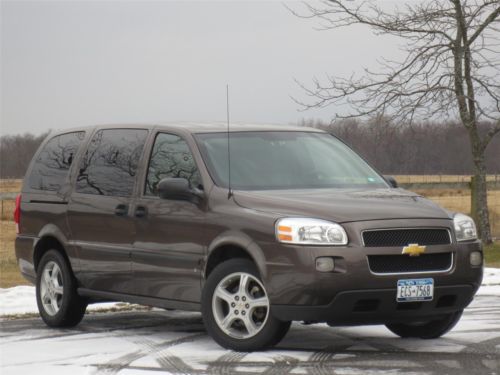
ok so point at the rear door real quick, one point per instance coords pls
(102, 228)
(170, 239)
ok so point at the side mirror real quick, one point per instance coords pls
(176, 189)
(392, 181)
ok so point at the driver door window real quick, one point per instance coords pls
(170, 157)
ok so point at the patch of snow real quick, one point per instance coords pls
(172, 342)
(21, 299)
(491, 276)
(491, 283)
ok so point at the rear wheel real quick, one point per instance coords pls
(427, 330)
(236, 308)
(58, 302)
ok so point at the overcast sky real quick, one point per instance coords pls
(68, 63)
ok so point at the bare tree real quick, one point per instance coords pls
(451, 68)
(16, 152)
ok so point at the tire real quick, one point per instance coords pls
(58, 302)
(428, 330)
(235, 295)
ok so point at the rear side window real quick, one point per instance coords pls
(53, 162)
(109, 165)
(170, 157)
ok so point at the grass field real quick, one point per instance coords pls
(9, 272)
(7, 209)
(452, 199)
(10, 186)
(459, 200)
(7, 206)
(492, 255)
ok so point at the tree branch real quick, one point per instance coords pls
(485, 24)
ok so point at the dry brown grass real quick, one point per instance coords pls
(9, 271)
(459, 200)
(7, 209)
(7, 237)
(452, 199)
(10, 186)
(7, 206)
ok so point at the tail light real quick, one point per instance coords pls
(17, 212)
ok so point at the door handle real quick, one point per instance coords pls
(141, 211)
(121, 210)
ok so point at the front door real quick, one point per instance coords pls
(99, 211)
(169, 245)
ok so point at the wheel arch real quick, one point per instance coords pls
(50, 237)
(232, 245)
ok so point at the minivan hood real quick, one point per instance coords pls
(343, 205)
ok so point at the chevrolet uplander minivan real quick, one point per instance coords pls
(293, 226)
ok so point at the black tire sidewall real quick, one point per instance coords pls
(72, 306)
(431, 330)
(273, 330)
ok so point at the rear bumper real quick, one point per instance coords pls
(378, 306)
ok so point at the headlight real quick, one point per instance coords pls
(465, 229)
(305, 231)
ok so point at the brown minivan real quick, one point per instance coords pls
(255, 228)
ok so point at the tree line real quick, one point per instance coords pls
(16, 152)
(422, 148)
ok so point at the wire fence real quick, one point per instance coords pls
(442, 178)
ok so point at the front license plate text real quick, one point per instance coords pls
(411, 290)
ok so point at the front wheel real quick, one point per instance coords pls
(426, 330)
(236, 308)
(58, 302)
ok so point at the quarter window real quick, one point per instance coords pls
(170, 157)
(53, 162)
(109, 165)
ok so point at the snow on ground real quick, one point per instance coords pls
(175, 342)
(491, 276)
(491, 282)
(21, 299)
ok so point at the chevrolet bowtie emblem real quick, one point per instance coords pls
(413, 249)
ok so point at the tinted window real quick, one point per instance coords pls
(52, 164)
(286, 160)
(170, 157)
(109, 165)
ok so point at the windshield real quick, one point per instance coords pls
(285, 160)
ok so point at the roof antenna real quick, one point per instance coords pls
(229, 192)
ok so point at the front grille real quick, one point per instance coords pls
(404, 237)
(438, 262)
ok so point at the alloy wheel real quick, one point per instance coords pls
(51, 288)
(240, 305)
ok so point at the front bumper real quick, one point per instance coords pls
(352, 293)
(378, 306)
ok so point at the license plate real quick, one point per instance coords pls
(411, 290)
